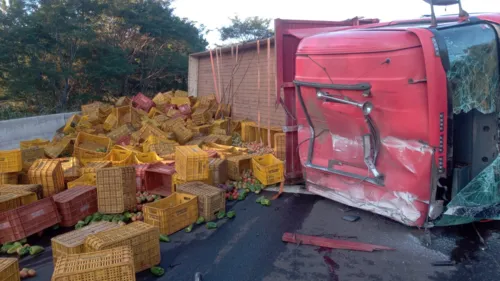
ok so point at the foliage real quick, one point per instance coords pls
(56, 55)
(249, 29)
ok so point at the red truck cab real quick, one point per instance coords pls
(397, 118)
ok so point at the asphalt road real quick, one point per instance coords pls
(249, 247)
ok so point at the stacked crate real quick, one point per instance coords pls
(75, 204)
(116, 264)
(211, 200)
(141, 237)
(72, 242)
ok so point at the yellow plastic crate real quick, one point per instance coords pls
(30, 155)
(191, 163)
(25, 196)
(85, 179)
(110, 123)
(120, 157)
(92, 167)
(73, 242)
(161, 99)
(268, 169)
(115, 264)
(9, 201)
(180, 100)
(248, 131)
(10, 161)
(141, 237)
(33, 143)
(49, 174)
(9, 178)
(91, 146)
(9, 269)
(173, 213)
(147, 157)
(71, 124)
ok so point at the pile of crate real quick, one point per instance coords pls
(174, 146)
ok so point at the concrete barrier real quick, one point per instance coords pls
(15, 130)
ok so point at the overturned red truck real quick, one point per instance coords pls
(397, 118)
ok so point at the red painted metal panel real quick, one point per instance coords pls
(286, 45)
(400, 114)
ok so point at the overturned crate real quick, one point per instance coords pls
(116, 189)
(211, 200)
(73, 242)
(141, 237)
(49, 174)
(116, 264)
(237, 165)
(9, 269)
(75, 204)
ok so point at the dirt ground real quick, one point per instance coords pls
(249, 247)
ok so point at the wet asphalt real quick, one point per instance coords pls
(249, 247)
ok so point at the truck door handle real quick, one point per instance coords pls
(366, 106)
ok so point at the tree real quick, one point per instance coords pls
(249, 29)
(56, 55)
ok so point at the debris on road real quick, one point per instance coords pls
(351, 218)
(331, 243)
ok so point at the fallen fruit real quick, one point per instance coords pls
(189, 228)
(23, 274)
(31, 273)
(157, 271)
(265, 202)
(23, 251)
(221, 215)
(211, 225)
(200, 220)
(260, 199)
(14, 248)
(231, 214)
(164, 238)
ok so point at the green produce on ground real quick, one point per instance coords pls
(200, 220)
(157, 271)
(6, 247)
(87, 220)
(13, 248)
(260, 199)
(164, 238)
(221, 215)
(189, 228)
(231, 214)
(80, 224)
(36, 250)
(211, 225)
(23, 251)
(265, 202)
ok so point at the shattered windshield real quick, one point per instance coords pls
(473, 72)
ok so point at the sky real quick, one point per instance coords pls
(215, 13)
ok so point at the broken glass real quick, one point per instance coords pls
(473, 73)
(478, 200)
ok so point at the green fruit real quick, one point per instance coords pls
(87, 220)
(157, 271)
(189, 228)
(80, 224)
(221, 215)
(14, 248)
(211, 225)
(259, 199)
(23, 251)
(200, 220)
(231, 214)
(164, 238)
(265, 202)
(6, 247)
(36, 250)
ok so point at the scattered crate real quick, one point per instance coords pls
(238, 164)
(9, 201)
(75, 204)
(141, 237)
(268, 169)
(158, 179)
(224, 140)
(30, 155)
(116, 264)
(26, 197)
(201, 116)
(92, 167)
(248, 131)
(33, 143)
(123, 101)
(147, 157)
(10, 161)
(142, 102)
(120, 158)
(35, 188)
(9, 269)
(61, 148)
(27, 220)
(211, 199)
(49, 174)
(71, 168)
(73, 242)
(182, 134)
(191, 163)
(218, 171)
(9, 178)
(91, 146)
(163, 148)
(173, 213)
(116, 189)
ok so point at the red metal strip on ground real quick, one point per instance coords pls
(331, 243)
